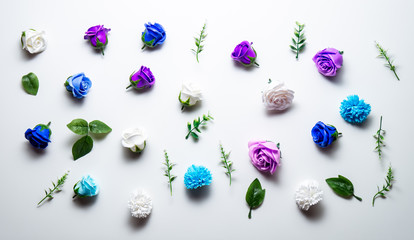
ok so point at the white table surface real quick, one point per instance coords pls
(233, 96)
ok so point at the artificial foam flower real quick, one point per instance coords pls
(190, 94)
(308, 194)
(140, 204)
(34, 41)
(134, 139)
(197, 176)
(277, 97)
(354, 110)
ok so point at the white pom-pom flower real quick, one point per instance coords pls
(140, 204)
(277, 97)
(308, 194)
(34, 41)
(190, 94)
(134, 139)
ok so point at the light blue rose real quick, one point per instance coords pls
(78, 84)
(86, 187)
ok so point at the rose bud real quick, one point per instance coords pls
(79, 85)
(39, 137)
(328, 61)
(142, 79)
(245, 54)
(265, 155)
(135, 139)
(324, 135)
(277, 97)
(86, 187)
(153, 35)
(190, 94)
(98, 36)
(33, 41)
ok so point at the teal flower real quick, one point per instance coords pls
(86, 187)
(354, 110)
(197, 176)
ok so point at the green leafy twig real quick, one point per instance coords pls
(386, 187)
(299, 43)
(199, 41)
(196, 125)
(384, 54)
(168, 174)
(379, 136)
(84, 145)
(228, 165)
(56, 188)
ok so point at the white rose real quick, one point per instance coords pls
(277, 97)
(33, 41)
(134, 139)
(190, 94)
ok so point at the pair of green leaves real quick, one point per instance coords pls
(342, 186)
(30, 83)
(255, 195)
(85, 144)
(197, 123)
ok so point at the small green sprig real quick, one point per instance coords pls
(299, 43)
(199, 41)
(168, 174)
(228, 165)
(384, 54)
(196, 125)
(379, 136)
(56, 188)
(386, 187)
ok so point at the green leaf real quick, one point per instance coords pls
(196, 123)
(97, 126)
(294, 41)
(82, 147)
(30, 83)
(293, 48)
(255, 195)
(342, 186)
(194, 135)
(78, 126)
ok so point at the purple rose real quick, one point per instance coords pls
(245, 54)
(98, 36)
(142, 79)
(265, 155)
(328, 61)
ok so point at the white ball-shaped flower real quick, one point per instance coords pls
(134, 139)
(190, 94)
(140, 204)
(308, 194)
(34, 41)
(277, 97)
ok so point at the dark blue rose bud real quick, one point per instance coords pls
(323, 135)
(39, 136)
(153, 35)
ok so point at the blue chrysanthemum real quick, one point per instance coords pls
(354, 110)
(197, 176)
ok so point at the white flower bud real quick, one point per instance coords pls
(34, 41)
(277, 97)
(134, 139)
(190, 94)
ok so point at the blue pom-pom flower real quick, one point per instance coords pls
(197, 176)
(354, 110)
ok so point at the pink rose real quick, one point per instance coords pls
(265, 155)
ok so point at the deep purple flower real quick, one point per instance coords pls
(328, 61)
(142, 79)
(98, 36)
(245, 54)
(265, 155)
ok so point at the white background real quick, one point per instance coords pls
(233, 96)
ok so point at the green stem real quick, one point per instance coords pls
(48, 124)
(43, 200)
(48, 195)
(102, 51)
(396, 75)
(182, 107)
(250, 213)
(129, 86)
(360, 199)
(186, 137)
(255, 63)
(143, 47)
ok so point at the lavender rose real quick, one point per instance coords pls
(245, 54)
(265, 155)
(98, 36)
(328, 61)
(142, 79)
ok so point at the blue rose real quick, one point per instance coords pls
(324, 135)
(79, 85)
(86, 187)
(39, 137)
(153, 35)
